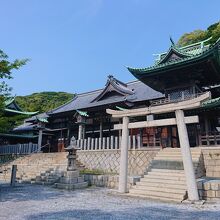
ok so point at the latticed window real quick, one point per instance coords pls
(181, 94)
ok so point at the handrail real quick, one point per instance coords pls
(38, 150)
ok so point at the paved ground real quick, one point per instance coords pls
(40, 202)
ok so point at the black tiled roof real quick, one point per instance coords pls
(142, 92)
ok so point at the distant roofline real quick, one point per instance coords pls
(87, 93)
(97, 90)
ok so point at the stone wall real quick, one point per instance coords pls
(110, 181)
(212, 161)
(108, 161)
(209, 189)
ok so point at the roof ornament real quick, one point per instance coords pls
(110, 77)
(172, 42)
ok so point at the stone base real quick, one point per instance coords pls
(71, 180)
(209, 188)
(71, 186)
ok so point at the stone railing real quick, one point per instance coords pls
(108, 143)
(18, 148)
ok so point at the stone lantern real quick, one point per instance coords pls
(71, 149)
(71, 179)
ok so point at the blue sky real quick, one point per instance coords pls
(74, 45)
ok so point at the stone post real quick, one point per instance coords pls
(124, 157)
(40, 140)
(13, 175)
(187, 157)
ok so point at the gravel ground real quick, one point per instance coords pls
(41, 202)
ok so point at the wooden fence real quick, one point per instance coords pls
(19, 148)
(108, 143)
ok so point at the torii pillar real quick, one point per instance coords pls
(123, 174)
(187, 157)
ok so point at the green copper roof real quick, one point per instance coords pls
(191, 49)
(211, 103)
(184, 52)
(44, 120)
(9, 101)
(12, 107)
(176, 68)
(20, 112)
(82, 113)
(120, 108)
(18, 135)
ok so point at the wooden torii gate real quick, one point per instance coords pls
(179, 120)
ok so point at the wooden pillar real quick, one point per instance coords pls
(124, 157)
(101, 130)
(207, 129)
(187, 157)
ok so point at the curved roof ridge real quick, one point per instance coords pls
(116, 85)
(173, 49)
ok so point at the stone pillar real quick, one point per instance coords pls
(40, 139)
(80, 132)
(124, 157)
(187, 157)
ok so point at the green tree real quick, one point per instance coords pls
(199, 35)
(6, 68)
(43, 101)
(192, 37)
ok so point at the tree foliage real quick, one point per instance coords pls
(43, 101)
(199, 35)
(6, 68)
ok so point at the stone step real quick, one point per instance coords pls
(169, 189)
(155, 180)
(167, 171)
(192, 149)
(162, 199)
(71, 186)
(164, 177)
(174, 158)
(162, 185)
(195, 154)
(171, 155)
(166, 153)
(169, 164)
(43, 183)
(165, 195)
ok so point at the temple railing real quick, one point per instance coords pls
(18, 149)
(212, 138)
(108, 143)
(168, 100)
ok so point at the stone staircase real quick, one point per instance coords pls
(41, 168)
(49, 177)
(165, 179)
